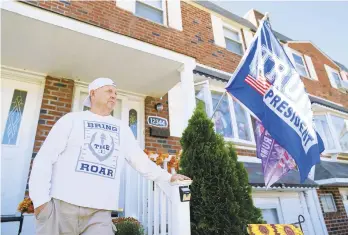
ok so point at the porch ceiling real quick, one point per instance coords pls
(37, 46)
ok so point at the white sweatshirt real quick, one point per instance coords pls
(81, 160)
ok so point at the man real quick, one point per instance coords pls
(75, 178)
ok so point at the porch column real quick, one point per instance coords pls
(315, 211)
(180, 214)
(187, 91)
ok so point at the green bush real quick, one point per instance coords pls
(221, 196)
(128, 226)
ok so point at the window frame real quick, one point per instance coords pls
(239, 32)
(333, 200)
(329, 71)
(328, 117)
(304, 62)
(163, 10)
(270, 204)
(210, 110)
(344, 195)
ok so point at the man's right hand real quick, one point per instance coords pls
(39, 209)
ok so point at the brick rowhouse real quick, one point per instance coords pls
(336, 222)
(169, 145)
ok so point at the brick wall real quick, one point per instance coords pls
(336, 222)
(196, 40)
(322, 87)
(169, 145)
(56, 102)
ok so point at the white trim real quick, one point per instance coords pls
(37, 79)
(214, 69)
(321, 226)
(94, 31)
(253, 148)
(238, 31)
(248, 159)
(305, 209)
(328, 115)
(293, 51)
(332, 181)
(236, 138)
(22, 75)
(321, 98)
(119, 91)
(163, 10)
(218, 32)
(275, 206)
(328, 110)
(331, 160)
(329, 71)
(273, 189)
(332, 199)
(299, 42)
(311, 69)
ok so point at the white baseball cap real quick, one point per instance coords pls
(97, 83)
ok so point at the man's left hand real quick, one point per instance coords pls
(179, 177)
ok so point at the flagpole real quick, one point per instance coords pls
(217, 105)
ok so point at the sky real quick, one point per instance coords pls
(325, 23)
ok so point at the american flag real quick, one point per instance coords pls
(261, 85)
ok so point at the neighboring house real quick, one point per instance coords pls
(160, 52)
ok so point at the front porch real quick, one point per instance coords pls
(62, 56)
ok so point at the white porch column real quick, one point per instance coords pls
(315, 211)
(308, 218)
(187, 92)
(180, 214)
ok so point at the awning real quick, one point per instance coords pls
(212, 74)
(37, 40)
(290, 180)
(331, 173)
(315, 100)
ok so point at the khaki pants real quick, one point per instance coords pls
(59, 217)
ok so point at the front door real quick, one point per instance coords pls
(20, 105)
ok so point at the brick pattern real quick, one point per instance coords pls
(196, 40)
(322, 87)
(244, 152)
(336, 222)
(169, 145)
(56, 102)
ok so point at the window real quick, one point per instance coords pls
(151, 10)
(340, 127)
(233, 41)
(133, 122)
(222, 115)
(14, 117)
(324, 131)
(300, 64)
(334, 132)
(334, 77)
(270, 215)
(344, 195)
(230, 118)
(328, 203)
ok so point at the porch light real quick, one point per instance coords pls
(185, 193)
(159, 107)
